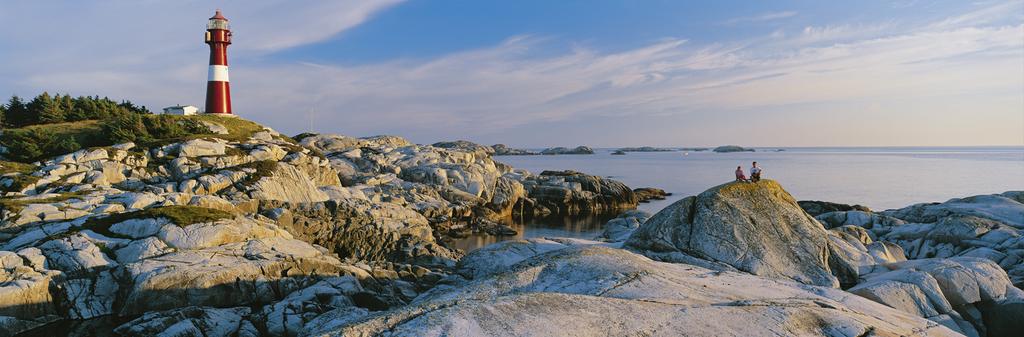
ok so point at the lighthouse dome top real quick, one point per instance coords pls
(218, 21)
(218, 16)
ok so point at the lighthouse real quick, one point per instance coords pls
(218, 92)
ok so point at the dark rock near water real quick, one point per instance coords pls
(504, 150)
(619, 153)
(645, 194)
(816, 208)
(568, 193)
(465, 145)
(492, 227)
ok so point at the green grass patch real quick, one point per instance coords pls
(238, 130)
(16, 167)
(231, 151)
(86, 133)
(106, 250)
(91, 134)
(264, 168)
(20, 181)
(16, 205)
(178, 215)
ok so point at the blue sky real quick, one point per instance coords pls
(543, 73)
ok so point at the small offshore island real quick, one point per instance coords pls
(233, 229)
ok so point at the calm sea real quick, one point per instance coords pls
(880, 178)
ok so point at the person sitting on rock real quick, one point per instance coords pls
(755, 173)
(739, 174)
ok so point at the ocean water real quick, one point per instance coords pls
(880, 178)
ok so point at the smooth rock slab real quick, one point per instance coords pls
(594, 290)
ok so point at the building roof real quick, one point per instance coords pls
(219, 16)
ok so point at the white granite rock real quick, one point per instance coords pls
(141, 249)
(620, 228)
(287, 317)
(200, 147)
(192, 321)
(287, 184)
(75, 253)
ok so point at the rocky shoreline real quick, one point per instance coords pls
(325, 235)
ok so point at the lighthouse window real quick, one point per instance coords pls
(217, 24)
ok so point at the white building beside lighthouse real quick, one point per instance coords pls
(184, 110)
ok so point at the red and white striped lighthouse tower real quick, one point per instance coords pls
(218, 92)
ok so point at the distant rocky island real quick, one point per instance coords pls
(504, 150)
(564, 150)
(646, 149)
(238, 230)
(661, 149)
(732, 148)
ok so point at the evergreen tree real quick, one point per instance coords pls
(125, 127)
(17, 112)
(66, 105)
(25, 145)
(3, 114)
(48, 110)
(44, 109)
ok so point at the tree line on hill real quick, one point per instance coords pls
(47, 109)
(29, 135)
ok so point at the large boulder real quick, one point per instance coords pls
(359, 229)
(250, 272)
(816, 208)
(970, 295)
(754, 227)
(200, 147)
(594, 290)
(286, 183)
(574, 193)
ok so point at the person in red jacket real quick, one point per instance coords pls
(739, 174)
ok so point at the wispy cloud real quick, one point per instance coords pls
(770, 16)
(493, 89)
(875, 76)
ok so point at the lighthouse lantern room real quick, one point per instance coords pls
(218, 92)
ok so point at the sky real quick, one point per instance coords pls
(538, 73)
